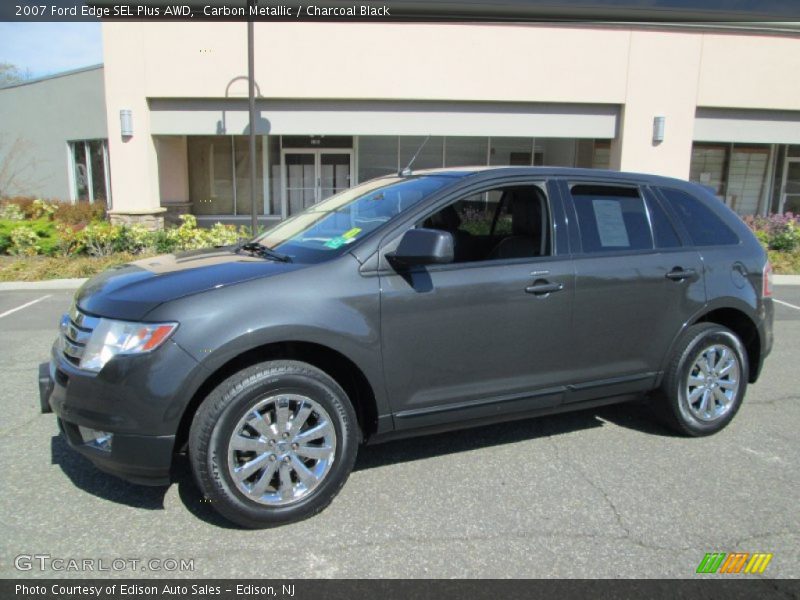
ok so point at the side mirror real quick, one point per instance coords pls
(423, 247)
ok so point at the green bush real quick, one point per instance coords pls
(24, 241)
(777, 232)
(11, 212)
(104, 239)
(47, 235)
(31, 226)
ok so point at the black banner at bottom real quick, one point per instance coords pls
(395, 589)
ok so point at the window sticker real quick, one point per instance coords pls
(610, 224)
(348, 237)
(335, 243)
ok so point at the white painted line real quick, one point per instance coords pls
(794, 306)
(26, 305)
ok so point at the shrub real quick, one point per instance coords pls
(45, 231)
(777, 232)
(24, 241)
(22, 203)
(11, 212)
(80, 213)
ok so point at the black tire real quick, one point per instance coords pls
(672, 402)
(219, 418)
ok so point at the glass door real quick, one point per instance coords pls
(310, 176)
(300, 180)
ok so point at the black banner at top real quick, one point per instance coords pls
(658, 11)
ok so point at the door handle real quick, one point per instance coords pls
(542, 287)
(679, 274)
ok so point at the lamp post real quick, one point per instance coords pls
(251, 92)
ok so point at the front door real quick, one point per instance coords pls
(311, 175)
(489, 334)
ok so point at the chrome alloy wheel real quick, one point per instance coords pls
(713, 383)
(281, 449)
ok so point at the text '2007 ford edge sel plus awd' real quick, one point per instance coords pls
(405, 305)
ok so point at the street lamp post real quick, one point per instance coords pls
(251, 92)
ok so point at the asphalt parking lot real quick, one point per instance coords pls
(601, 493)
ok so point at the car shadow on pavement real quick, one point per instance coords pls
(637, 416)
(85, 476)
(193, 500)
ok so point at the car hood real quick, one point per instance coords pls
(130, 291)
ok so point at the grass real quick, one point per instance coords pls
(785, 263)
(38, 268)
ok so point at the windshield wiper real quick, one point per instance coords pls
(261, 250)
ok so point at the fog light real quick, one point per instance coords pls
(96, 439)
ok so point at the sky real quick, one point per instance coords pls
(46, 48)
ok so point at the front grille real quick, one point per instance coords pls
(76, 329)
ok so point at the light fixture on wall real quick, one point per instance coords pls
(126, 122)
(658, 129)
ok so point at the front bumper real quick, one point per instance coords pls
(139, 400)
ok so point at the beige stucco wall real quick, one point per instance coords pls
(644, 72)
(173, 168)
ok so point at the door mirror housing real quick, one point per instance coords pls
(423, 247)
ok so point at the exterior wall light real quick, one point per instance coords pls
(658, 129)
(126, 122)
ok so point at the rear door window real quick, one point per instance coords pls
(704, 227)
(611, 218)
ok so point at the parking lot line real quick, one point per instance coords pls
(26, 305)
(794, 306)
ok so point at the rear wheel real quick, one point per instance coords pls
(273, 444)
(706, 380)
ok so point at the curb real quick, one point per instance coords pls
(48, 284)
(74, 284)
(786, 279)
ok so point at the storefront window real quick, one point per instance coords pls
(736, 172)
(89, 170)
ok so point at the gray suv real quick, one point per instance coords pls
(407, 305)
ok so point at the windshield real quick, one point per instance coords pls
(326, 229)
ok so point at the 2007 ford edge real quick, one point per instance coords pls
(405, 305)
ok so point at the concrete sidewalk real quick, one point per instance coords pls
(74, 284)
(48, 284)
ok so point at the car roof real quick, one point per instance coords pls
(490, 172)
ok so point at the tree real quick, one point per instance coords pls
(19, 174)
(12, 74)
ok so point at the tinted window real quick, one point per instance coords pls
(611, 219)
(663, 231)
(705, 228)
(496, 224)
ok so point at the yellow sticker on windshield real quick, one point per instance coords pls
(351, 233)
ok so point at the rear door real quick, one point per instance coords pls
(635, 286)
(490, 333)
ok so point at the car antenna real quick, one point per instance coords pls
(407, 171)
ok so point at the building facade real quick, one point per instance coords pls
(53, 137)
(340, 103)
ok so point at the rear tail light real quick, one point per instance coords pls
(767, 279)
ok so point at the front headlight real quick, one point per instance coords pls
(111, 338)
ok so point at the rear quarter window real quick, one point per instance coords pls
(705, 228)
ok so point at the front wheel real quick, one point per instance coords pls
(706, 380)
(273, 444)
